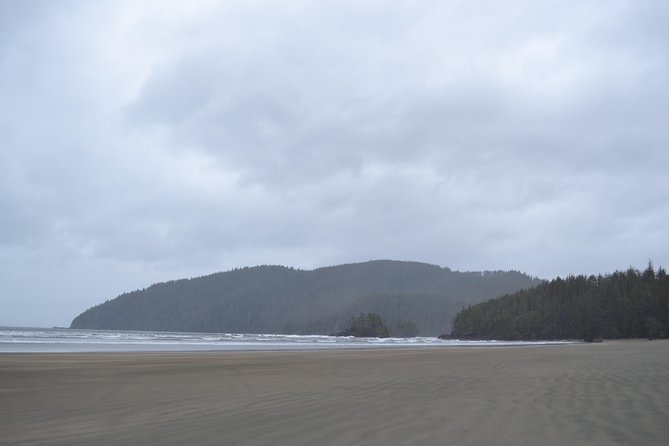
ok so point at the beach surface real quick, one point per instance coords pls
(612, 393)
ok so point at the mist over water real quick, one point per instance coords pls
(24, 339)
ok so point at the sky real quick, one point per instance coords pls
(144, 141)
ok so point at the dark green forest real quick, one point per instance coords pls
(411, 297)
(629, 304)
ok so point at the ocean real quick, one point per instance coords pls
(54, 340)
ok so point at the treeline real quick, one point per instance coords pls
(629, 304)
(277, 299)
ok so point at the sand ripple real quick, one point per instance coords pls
(599, 394)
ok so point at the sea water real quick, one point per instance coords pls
(53, 340)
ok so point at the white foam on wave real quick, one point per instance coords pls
(56, 339)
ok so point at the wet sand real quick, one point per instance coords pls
(584, 394)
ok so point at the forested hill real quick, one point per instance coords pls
(630, 304)
(277, 299)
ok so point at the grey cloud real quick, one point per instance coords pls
(152, 141)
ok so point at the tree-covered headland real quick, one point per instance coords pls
(412, 298)
(625, 304)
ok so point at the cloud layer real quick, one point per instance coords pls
(146, 141)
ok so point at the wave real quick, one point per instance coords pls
(15, 339)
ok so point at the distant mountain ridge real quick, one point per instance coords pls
(279, 299)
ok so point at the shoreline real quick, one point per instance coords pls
(83, 348)
(18, 339)
(616, 392)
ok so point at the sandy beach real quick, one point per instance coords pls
(585, 394)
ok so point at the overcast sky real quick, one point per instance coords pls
(143, 141)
